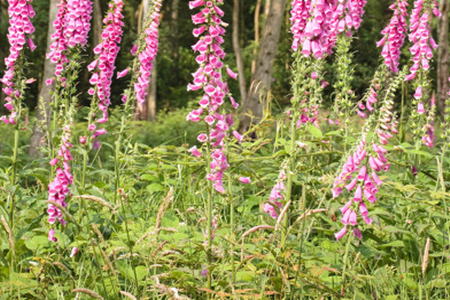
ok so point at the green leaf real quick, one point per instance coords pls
(141, 272)
(37, 242)
(155, 187)
(333, 133)
(419, 152)
(316, 132)
(149, 177)
(399, 244)
(244, 276)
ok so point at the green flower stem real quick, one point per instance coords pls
(209, 208)
(290, 178)
(14, 176)
(344, 269)
(230, 196)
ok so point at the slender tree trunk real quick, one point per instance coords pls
(237, 51)
(44, 94)
(255, 51)
(262, 78)
(97, 20)
(2, 99)
(442, 76)
(175, 29)
(151, 98)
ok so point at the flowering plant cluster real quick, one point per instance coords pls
(209, 78)
(19, 36)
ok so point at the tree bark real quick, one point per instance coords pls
(237, 52)
(44, 94)
(262, 78)
(442, 76)
(151, 99)
(267, 7)
(2, 100)
(97, 23)
(175, 29)
(255, 51)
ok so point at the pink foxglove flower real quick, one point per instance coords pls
(238, 136)
(73, 252)
(51, 236)
(341, 233)
(194, 151)
(122, 73)
(420, 108)
(394, 35)
(245, 180)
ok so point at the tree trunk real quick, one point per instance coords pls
(237, 51)
(442, 76)
(2, 99)
(255, 51)
(151, 98)
(97, 23)
(44, 94)
(174, 28)
(262, 78)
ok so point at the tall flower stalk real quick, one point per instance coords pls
(102, 69)
(72, 27)
(422, 51)
(317, 26)
(359, 173)
(209, 78)
(145, 51)
(20, 29)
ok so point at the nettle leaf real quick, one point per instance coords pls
(170, 220)
(314, 131)
(367, 250)
(333, 133)
(37, 242)
(155, 187)
(141, 272)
